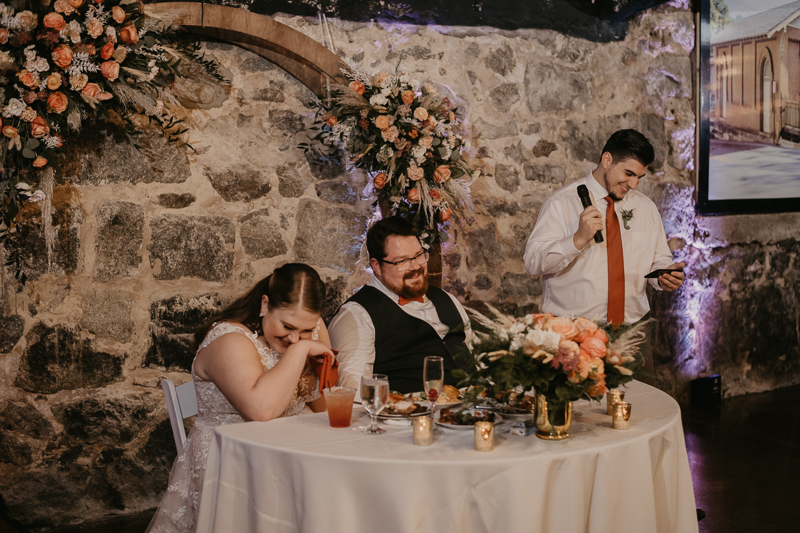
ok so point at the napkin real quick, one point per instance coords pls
(327, 369)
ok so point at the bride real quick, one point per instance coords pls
(252, 363)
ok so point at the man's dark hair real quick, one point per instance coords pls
(629, 144)
(382, 230)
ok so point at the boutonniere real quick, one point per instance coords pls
(627, 216)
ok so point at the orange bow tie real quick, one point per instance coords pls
(404, 301)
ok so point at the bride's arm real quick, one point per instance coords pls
(233, 364)
(318, 405)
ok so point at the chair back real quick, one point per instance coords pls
(181, 403)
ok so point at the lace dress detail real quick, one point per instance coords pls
(178, 508)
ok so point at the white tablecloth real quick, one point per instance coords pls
(299, 474)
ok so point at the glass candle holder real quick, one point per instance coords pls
(622, 415)
(423, 430)
(484, 436)
(613, 396)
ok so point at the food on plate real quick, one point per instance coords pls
(396, 397)
(400, 405)
(523, 406)
(465, 417)
(449, 394)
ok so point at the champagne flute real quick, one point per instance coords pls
(374, 396)
(433, 378)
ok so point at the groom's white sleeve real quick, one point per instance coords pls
(353, 336)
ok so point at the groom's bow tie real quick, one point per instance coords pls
(404, 301)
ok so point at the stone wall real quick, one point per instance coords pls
(151, 241)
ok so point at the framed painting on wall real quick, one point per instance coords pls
(749, 116)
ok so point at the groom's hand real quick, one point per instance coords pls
(672, 281)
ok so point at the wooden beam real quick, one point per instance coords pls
(300, 55)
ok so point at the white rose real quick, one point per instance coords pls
(378, 99)
(72, 31)
(22, 186)
(6, 61)
(42, 65)
(404, 78)
(111, 34)
(386, 92)
(14, 108)
(414, 84)
(30, 53)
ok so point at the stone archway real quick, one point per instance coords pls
(301, 56)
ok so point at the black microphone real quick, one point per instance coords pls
(583, 194)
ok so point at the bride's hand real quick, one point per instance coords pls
(311, 349)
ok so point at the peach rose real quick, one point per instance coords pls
(585, 328)
(357, 86)
(128, 34)
(62, 6)
(426, 142)
(441, 174)
(390, 134)
(75, 3)
(54, 21)
(104, 96)
(3, 35)
(540, 318)
(563, 326)
(27, 20)
(39, 128)
(379, 181)
(420, 113)
(62, 56)
(94, 28)
(99, 1)
(431, 121)
(78, 81)
(416, 173)
(91, 90)
(381, 77)
(85, 48)
(107, 50)
(110, 70)
(413, 133)
(28, 79)
(58, 102)
(598, 390)
(331, 121)
(435, 195)
(118, 14)
(413, 196)
(600, 334)
(408, 97)
(39, 162)
(445, 215)
(10, 132)
(382, 122)
(594, 347)
(53, 81)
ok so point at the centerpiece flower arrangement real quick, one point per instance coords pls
(73, 60)
(403, 133)
(562, 358)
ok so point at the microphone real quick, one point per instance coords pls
(583, 193)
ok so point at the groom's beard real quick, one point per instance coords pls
(416, 288)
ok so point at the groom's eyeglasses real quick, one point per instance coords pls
(405, 264)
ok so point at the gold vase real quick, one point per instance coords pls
(562, 419)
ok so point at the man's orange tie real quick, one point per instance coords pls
(616, 267)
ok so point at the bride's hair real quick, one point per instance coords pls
(290, 285)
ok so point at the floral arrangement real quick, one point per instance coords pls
(73, 60)
(564, 359)
(403, 133)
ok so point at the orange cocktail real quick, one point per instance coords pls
(340, 405)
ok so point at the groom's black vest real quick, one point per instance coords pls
(402, 341)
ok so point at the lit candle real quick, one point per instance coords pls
(423, 430)
(484, 436)
(613, 396)
(622, 415)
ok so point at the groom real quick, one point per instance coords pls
(395, 320)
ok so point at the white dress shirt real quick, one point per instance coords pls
(575, 282)
(353, 333)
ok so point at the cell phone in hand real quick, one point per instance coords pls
(658, 272)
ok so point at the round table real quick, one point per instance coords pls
(299, 474)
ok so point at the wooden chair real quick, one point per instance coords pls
(181, 403)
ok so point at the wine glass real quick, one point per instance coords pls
(374, 396)
(433, 378)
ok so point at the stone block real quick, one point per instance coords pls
(261, 237)
(173, 200)
(285, 121)
(669, 76)
(544, 148)
(329, 236)
(104, 155)
(173, 322)
(256, 63)
(24, 418)
(652, 127)
(108, 313)
(550, 88)
(66, 222)
(192, 246)
(14, 450)
(483, 282)
(586, 138)
(519, 288)
(291, 182)
(120, 227)
(110, 418)
(501, 60)
(485, 130)
(514, 153)
(59, 358)
(504, 96)
(484, 247)
(507, 177)
(11, 329)
(273, 93)
(335, 295)
(326, 166)
(240, 183)
(337, 192)
(545, 173)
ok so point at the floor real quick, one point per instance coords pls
(744, 456)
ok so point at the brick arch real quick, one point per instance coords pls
(300, 55)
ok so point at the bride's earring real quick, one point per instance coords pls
(263, 314)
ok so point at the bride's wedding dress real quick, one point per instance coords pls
(178, 508)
